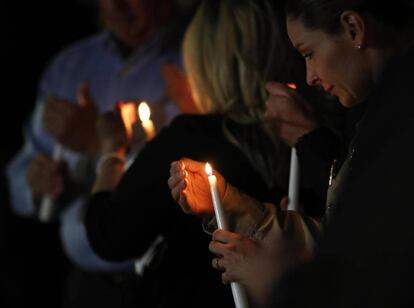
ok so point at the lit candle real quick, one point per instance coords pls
(47, 206)
(129, 116)
(239, 295)
(292, 86)
(144, 115)
(293, 204)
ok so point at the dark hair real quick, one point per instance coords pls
(325, 14)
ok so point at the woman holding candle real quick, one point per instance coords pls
(362, 52)
(231, 49)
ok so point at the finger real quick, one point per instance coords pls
(176, 178)
(217, 248)
(84, 96)
(284, 203)
(176, 166)
(225, 278)
(192, 165)
(177, 190)
(58, 105)
(270, 112)
(173, 181)
(54, 125)
(279, 89)
(216, 264)
(182, 201)
(225, 236)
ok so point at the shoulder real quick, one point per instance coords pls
(187, 135)
(398, 73)
(72, 59)
(196, 123)
(81, 48)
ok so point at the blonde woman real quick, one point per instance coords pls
(231, 49)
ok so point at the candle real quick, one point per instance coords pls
(129, 116)
(239, 295)
(293, 204)
(218, 209)
(47, 206)
(144, 115)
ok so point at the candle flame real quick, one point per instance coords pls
(209, 170)
(292, 86)
(144, 111)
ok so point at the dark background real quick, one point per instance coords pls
(31, 260)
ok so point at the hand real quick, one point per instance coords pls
(288, 114)
(257, 265)
(45, 177)
(190, 187)
(112, 133)
(73, 125)
(178, 88)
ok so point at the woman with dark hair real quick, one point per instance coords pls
(361, 52)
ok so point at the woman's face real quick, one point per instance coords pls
(333, 63)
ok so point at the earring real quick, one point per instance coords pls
(359, 46)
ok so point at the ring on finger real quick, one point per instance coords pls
(216, 263)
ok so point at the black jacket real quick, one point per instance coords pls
(367, 256)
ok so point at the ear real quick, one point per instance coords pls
(354, 28)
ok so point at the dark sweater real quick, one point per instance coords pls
(122, 224)
(366, 258)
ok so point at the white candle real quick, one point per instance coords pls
(144, 115)
(239, 296)
(47, 206)
(293, 204)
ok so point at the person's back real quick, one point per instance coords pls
(227, 74)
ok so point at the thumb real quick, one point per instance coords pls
(192, 165)
(84, 95)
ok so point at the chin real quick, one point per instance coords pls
(348, 102)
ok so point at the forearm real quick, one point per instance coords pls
(109, 173)
(245, 215)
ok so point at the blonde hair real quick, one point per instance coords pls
(231, 49)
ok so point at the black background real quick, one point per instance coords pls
(32, 262)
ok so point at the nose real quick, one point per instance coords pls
(311, 77)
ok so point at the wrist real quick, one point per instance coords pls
(107, 148)
(110, 157)
(240, 205)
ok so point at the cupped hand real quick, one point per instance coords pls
(288, 114)
(73, 125)
(257, 265)
(190, 187)
(45, 177)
